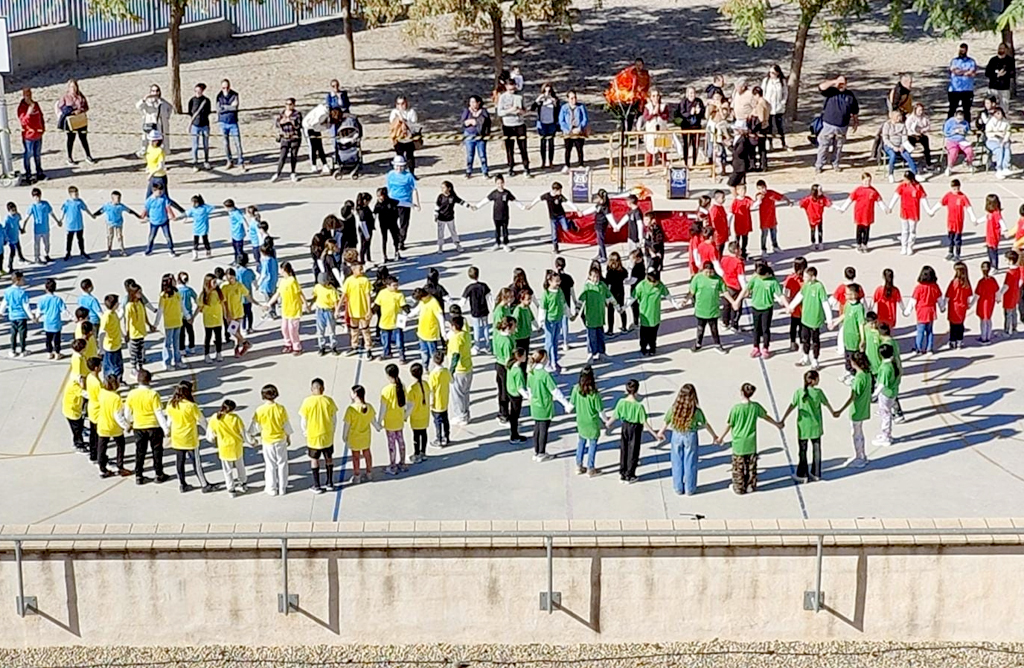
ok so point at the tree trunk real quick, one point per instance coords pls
(519, 29)
(350, 42)
(1007, 35)
(174, 54)
(497, 32)
(797, 63)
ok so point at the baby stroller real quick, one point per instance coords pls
(348, 151)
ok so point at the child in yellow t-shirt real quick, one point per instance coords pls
(419, 417)
(390, 303)
(227, 431)
(93, 385)
(319, 415)
(73, 409)
(440, 387)
(356, 291)
(289, 293)
(326, 305)
(461, 366)
(136, 323)
(113, 338)
(394, 408)
(270, 424)
(359, 419)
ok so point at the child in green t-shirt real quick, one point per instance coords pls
(742, 423)
(885, 336)
(543, 392)
(515, 386)
(553, 309)
(852, 334)
(886, 393)
(524, 320)
(706, 290)
(860, 400)
(631, 412)
(807, 402)
(502, 347)
(590, 416)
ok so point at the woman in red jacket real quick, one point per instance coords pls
(32, 128)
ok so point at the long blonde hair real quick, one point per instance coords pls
(684, 409)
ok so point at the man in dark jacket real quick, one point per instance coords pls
(227, 116)
(1000, 72)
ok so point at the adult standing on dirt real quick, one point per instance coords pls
(289, 135)
(1000, 72)
(33, 125)
(405, 131)
(337, 98)
(199, 109)
(837, 117)
(575, 126)
(227, 116)
(476, 129)
(402, 188)
(72, 117)
(962, 71)
(156, 115)
(510, 110)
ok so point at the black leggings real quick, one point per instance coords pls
(407, 150)
(730, 315)
(762, 327)
(82, 137)
(404, 214)
(289, 152)
(547, 150)
(513, 136)
(619, 298)
(818, 234)
(708, 322)
(815, 468)
(629, 449)
(501, 232)
(649, 339)
(501, 375)
(206, 242)
(390, 228)
(215, 333)
(776, 121)
(863, 234)
(197, 465)
(540, 436)
(811, 340)
(794, 329)
(419, 441)
(515, 409)
(316, 148)
(572, 143)
(186, 330)
(80, 235)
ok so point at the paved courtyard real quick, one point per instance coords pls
(957, 454)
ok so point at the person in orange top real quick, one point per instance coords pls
(911, 195)
(986, 291)
(959, 296)
(814, 206)
(956, 203)
(740, 217)
(864, 199)
(791, 288)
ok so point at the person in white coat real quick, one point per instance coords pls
(316, 123)
(156, 115)
(775, 94)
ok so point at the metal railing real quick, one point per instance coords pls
(813, 599)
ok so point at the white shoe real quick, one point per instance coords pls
(474, 350)
(195, 256)
(892, 178)
(12, 354)
(295, 178)
(207, 359)
(508, 249)
(856, 463)
(948, 171)
(312, 168)
(815, 364)
(879, 440)
(219, 357)
(565, 170)
(274, 178)
(326, 171)
(903, 250)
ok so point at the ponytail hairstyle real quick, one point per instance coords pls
(518, 357)
(762, 269)
(225, 408)
(287, 269)
(587, 383)
(911, 178)
(417, 372)
(392, 372)
(632, 387)
(992, 203)
(684, 408)
(887, 278)
(601, 199)
(927, 275)
(182, 392)
(811, 378)
(960, 276)
(799, 264)
(816, 191)
(747, 390)
(860, 360)
(167, 286)
(360, 393)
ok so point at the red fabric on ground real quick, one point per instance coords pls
(675, 223)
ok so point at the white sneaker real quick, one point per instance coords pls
(274, 178)
(856, 463)
(195, 256)
(326, 171)
(312, 168)
(565, 170)
(536, 458)
(295, 178)
(879, 440)
(220, 358)
(815, 364)
(892, 178)
(12, 354)
(474, 350)
(207, 359)
(508, 249)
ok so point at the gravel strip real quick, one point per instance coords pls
(711, 654)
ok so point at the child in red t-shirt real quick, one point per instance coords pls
(791, 288)
(814, 206)
(957, 204)
(740, 217)
(910, 194)
(888, 299)
(987, 290)
(1018, 232)
(995, 227)
(765, 203)
(864, 199)
(732, 273)
(719, 219)
(924, 303)
(959, 296)
(1010, 292)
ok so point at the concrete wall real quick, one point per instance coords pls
(44, 47)
(139, 594)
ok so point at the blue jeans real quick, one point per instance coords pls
(924, 341)
(33, 151)
(911, 165)
(590, 444)
(552, 332)
(229, 130)
(476, 147)
(166, 228)
(113, 363)
(595, 340)
(565, 329)
(562, 222)
(1000, 153)
(204, 135)
(481, 332)
(393, 338)
(171, 354)
(683, 454)
(325, 329)
(427, 350)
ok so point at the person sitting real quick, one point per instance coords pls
(918, 125)
(997, 140)
(894, 143)
(954, 134)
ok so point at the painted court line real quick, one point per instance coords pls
(782, 433)
(344, 454)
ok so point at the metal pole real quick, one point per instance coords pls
(5, 133)
(622, 156)
(817, 577)
(551, 574)
(284, 572)
(21, 579)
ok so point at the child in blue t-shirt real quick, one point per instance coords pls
(236, 219)
(200, 216)
(40, 212)
(266, 281)
(188, 307)
(114, 212)
(158, 207)
(254, 222)
(246, 277)
(52, 310)
(15, 305)
(72, 213)
(10, 237)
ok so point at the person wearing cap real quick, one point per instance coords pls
(156, 116)
(838, 114)
(402, 188)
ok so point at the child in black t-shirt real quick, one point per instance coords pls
(654, 241)
(568, 287)
(386, 211)
(500, 199)
(637, 273)
(477, 296)
(557, 204)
